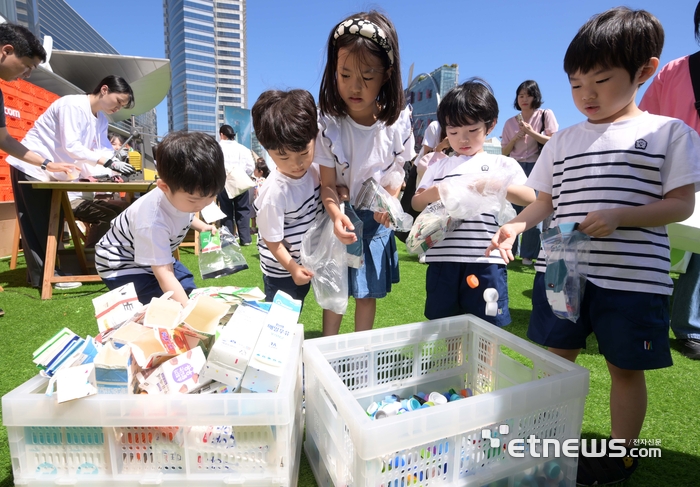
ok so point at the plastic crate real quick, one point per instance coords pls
(171, 440)
(515, 383)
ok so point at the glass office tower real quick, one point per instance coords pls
(55, 18)
(205, 42)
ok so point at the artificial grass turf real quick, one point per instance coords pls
(674, 397)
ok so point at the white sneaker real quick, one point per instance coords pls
(527, 261)
(67, 285)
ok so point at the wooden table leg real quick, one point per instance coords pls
(15, 246)
(70, 219)
(51, 244)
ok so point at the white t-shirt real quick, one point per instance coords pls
(236, 154)
(359, 152)
(145, 234)
(625, 164)
(286, 208)
(468, 242)
(431, 138)
(66, 132)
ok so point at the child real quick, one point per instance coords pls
(139, 245)
(622, 175)
(261, 172)
(365, 133)
(289, 200)
(469, 113)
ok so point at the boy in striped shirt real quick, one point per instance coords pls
(140, 243)
(285, 123)
(623, 175)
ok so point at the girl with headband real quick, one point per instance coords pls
(365, 132)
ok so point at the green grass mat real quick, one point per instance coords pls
(674, 393)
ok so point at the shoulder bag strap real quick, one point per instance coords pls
(694, 66)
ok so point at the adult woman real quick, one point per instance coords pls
(238, 208)
(522, 139)
(72, 130)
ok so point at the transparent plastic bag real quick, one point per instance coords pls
(566, 253)
(468, 195)
(220, 254)
(373, 197)
(326, 256)
(430, 228)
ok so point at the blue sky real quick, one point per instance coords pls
(504, 42)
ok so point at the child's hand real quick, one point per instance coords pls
(341, 225)
(600, 223)
(503, 242)
(444, 144)
(382, 217)
(301, 275)
(210, 228)
(343, 193)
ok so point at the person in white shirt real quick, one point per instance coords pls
(20, 53)
(72, 130)
(237, 208)
(139, 246)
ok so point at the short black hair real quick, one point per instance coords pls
(191, 162)
(116, 84)
(533, 90)
(617, 38)
(22, 40)
(113, 135)
(261, 166)
(391, 98)
(228, 131)
(285, 120)
(467, 104)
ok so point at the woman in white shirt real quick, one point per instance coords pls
(238, 208)
(72, 130)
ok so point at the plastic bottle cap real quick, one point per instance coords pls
(437, 398)
(372, 408)
(472, 281)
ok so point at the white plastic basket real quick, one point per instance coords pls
(172, 440)
(515, 383)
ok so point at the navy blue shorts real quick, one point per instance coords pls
(448, 294)
(147, 286)
(631, 327)
(284, 284)
(381, 260)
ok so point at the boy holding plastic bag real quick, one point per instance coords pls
(289, 199)
(622, 175)
(473, 186)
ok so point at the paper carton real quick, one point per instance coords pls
(203, 314)
(114, 370)
(273, 347)
(75, 382)
(116, 307)
(162, 313)
(233, 349)
(180, 374)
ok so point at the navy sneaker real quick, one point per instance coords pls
(605, 470)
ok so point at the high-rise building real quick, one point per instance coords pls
(206, 43)
(424, 94)
(55, 18)
(70, 32)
